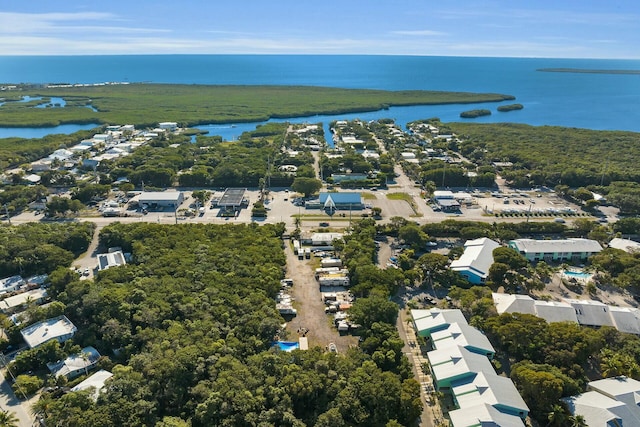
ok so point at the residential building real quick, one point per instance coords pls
(491, 389)
(14, 303)
(463, 335)
(58, 328)
(585, 312)
(608, 402)
(624, 245)
(10, 284)
(75, 365)
(95, 381)
(556, 250)
(111, 259)
(454, 364)
(483, 415)
(476, 260)
(426, 322)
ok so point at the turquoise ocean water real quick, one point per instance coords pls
(594, 101)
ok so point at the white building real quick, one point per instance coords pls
(11, 304)
(608, 402)
(171, 199)
(556, 250)
(111, 259)
(476, 260)
(95, 381)
(170, 126)
(58, 328)
(624, 245)
(75, 365)
(10, 284)
(483, 415)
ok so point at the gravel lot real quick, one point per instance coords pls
(308, 302)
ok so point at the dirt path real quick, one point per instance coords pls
(307, 300)
(89, 259)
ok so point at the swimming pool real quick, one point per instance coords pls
(578, 274)
(287, 345)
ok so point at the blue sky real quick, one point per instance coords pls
(540, 28)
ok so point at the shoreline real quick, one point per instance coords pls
(588, 71)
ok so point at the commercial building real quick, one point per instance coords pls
(556, 250)
(58, 328)
(233, 198)
(341, 201)
(476, 260)
(161, 199)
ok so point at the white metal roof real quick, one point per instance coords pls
(554, 311)
(461, 334)
(591, 313)
(511, 303)
(435, 319)
(489, 388)
(599, 410)
(626, 319)
(477, 256)
(454, 362)
(18, 300)
(164, 196)
(96, 381)
(624, 245)
(483, 415)
(554, 246)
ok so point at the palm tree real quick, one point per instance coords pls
(8, 419)
(577, 421)
(557, 416)
(42, 406)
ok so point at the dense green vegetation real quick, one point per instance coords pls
(148, 104)
(601, 161)
(38, 248)
(549, 155)
(472, 114)
(207, 163)
(510, 107)
(193, 318)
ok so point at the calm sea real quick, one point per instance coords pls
(595, 101)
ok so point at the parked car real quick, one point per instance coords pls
(324, 224)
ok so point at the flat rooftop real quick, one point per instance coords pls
(41, 332)
(232, 197)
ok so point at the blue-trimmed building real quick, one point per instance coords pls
(339, 201)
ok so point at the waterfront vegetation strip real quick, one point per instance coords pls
(148, 104)
(587, 70)
(510, 107)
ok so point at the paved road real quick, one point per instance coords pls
(9, 402)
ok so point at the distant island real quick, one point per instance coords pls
(586, 70)
(510, 107)
(472, 114)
